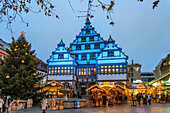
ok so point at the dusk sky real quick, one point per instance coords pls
(143, 33)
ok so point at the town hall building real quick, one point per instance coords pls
(89, 60)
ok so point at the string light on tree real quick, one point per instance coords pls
(26, 53)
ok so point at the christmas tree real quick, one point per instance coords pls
(18, 72)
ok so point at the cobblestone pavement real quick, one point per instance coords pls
(126, 108)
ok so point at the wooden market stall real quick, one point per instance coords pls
(104, 94)
(160, 86)
(135, 89)
(53, 88)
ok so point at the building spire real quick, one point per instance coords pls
(110, 39)
(61, 43)
(87, 21)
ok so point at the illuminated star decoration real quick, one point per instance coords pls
(22, 33)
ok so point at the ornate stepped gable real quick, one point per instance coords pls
(61, 56)
(112, 54)
(87, 45)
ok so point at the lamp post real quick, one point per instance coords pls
(7, 77)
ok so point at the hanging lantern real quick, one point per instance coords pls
(24, 45)
(22, 61)
(7, 77)
(34, 74)
(26, 53)
(16, 46)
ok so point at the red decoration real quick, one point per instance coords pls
(36, 66)
(33, 86)
(0, 63)
(16, 51)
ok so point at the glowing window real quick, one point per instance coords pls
(113, 69)
(84, 71)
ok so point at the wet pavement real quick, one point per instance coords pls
(126, 108)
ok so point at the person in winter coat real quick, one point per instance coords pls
(149, 99)
(1, 104)
(144, 99)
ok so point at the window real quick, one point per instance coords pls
(108, 53)
(94, 70)
(105, 67)
(109, 69)
(117, 69)
(93, 56)
(79, 71)
(71, 70)
(52, 71)
(101, 69)
(83, 57)
(76, 47)
(121, 69)
(88, 71)
(68, 71)
(79, 47)
(55, 71)
(88, 46)
(95, 46)
(131, 69)
(131, 74)
(65, 69)
(85, 46)
(91, 38)
(84, 71)
(58, 70)
(111, 53)
(98, 69)
(83, 39)
(60, 56)
(61, 70)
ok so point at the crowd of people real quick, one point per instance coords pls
(147, 98)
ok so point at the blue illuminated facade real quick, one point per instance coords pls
(89, 60)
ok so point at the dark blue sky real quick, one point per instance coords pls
(141, 32)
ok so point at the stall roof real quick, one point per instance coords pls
(159, 78)
(136, 86)
(94, 86)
